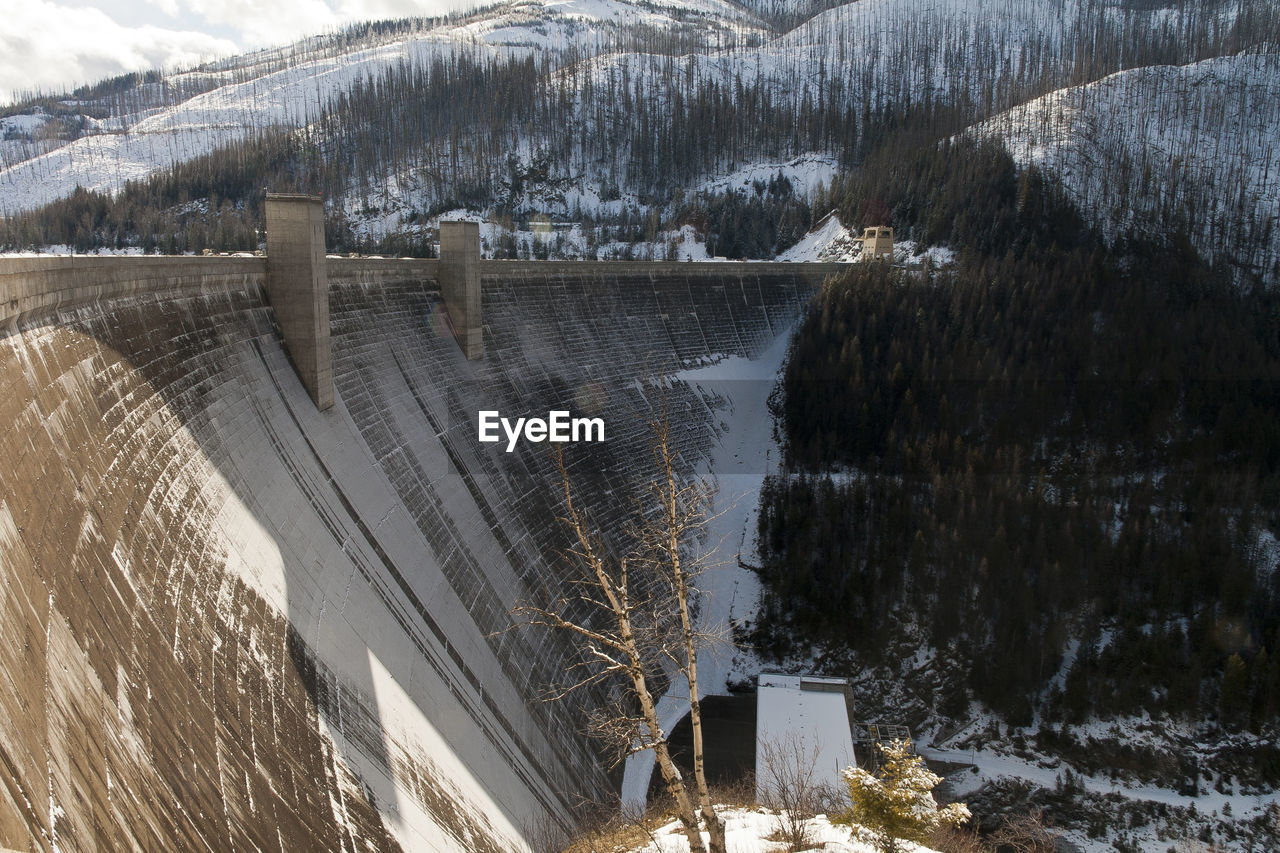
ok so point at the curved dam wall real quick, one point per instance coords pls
(232, 621)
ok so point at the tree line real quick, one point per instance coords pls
(1057, 454)
(633, 111)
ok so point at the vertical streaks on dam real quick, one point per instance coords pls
(172, 424)
(232, 621)
(147, 704)
(576, 336)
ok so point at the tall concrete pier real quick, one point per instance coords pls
(298, 288)
(460, 284)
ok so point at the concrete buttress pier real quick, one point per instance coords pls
(298, 288)
(460, 284)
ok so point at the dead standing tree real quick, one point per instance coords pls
(684, 513)
(633, 618)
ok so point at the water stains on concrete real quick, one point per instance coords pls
(230, 621)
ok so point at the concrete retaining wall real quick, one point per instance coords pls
(36, 286)
(233, 621)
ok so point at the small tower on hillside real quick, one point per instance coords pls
(877, 243)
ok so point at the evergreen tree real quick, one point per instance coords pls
(896, 802)
(1234, 699)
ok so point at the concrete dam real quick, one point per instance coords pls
(236, 618)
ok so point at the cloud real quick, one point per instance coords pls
(265, 23)
(46, 46)
(168, 7)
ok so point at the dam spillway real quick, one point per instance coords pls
(233, 621)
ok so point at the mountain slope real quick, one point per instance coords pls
(823, 83)
(290, 88)
(1192, 148)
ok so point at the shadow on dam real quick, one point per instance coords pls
(232, 621)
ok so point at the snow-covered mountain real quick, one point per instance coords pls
(291, 87)
(630, 100)
(1194, 147)
(659, 128)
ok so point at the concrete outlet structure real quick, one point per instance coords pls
(805, 712)
(460, 284)
(298, 288)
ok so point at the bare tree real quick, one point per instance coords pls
(953, 839)
(788, 783)
(632, 615)
(1026, 833)
(684, 514)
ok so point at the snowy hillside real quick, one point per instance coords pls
(291, 88)
(134, 146)
(1195, 147)
(831, 75)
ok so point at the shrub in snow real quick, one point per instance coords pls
(896, 802)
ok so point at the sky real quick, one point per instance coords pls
(53, 45)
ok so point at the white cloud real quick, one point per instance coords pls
(168, 7)
(47, 46)
(265, 23)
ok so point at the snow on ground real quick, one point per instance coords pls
(689, 244)
(556, 23)
(941, 42)
(399, 198)
(906, 253)
(992, 766)
(748, 831)
(997, 761)
(25, 123)
(738, 465)
(831, 241)
(291, 97)
(402, 196)
(1269, 548)
(807, 173)
(276, 91)
(62, 249)
(828, 241)
(1197, 144)
(134, 146)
